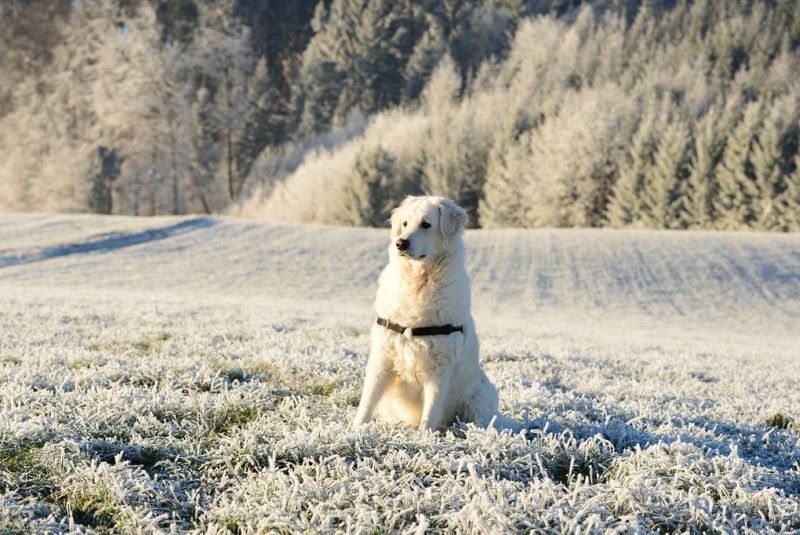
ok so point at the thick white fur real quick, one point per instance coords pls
(427, 381)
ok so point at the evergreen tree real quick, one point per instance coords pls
(500, 205)
(478, 31)
(369, 195)
(266, 120)
(663, 193)
(453, 158)
(279, 32)
(626, 205)
(771, 158)
(700, 184)
(318, 97)
(426, 55)
(384, 39)
(444, 86)
(789, 200)
(355, 60)
(178, 19)
(567, 174)
(737, 189)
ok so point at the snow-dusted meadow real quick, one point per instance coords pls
(201, 374)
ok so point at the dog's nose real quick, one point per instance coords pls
(402, 245)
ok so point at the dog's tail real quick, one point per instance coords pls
(501, 422)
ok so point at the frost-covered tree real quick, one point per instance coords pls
(737, 191)
(700, 185)
(427, 53)
(501, 204)
(29, 32)
(369, 192)
(789, 200)
(567, 174)
(771, 159)
(454, 155)
(266, 120)
(356, 59)
(54, 131)
(626, 205)
(664, 194)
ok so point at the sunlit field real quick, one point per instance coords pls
(201, 374)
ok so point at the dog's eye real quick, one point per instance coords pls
(405, 223)
(425, 224)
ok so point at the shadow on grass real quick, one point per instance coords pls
(107, 243)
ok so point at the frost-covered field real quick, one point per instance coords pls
(201, 374)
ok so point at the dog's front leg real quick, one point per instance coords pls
(376, 379)
(434, 395)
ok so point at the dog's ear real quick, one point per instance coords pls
(393, 218)
(452, 218)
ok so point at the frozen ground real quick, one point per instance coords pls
(200, 374)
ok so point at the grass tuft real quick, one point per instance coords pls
(780, 421)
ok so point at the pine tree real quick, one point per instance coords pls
(663, 193)
(770, 162)
(368, 196)
(355, 60)
(626, 205)
(478, 31)
(565, 177)
(449, 155)
(265, 122)
(707, 148)
(444, 85)
(319, 84)
(317, 98)
(500, 205)
(384, 39)
(737, 189)
(789, 200)
(426, 55)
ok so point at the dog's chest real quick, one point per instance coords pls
(417, 359)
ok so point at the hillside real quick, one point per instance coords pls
(529, 113)
(745, 284)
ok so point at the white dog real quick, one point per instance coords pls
(423, 368)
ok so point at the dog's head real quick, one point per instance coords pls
(425, 228)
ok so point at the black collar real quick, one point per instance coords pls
(420, 331)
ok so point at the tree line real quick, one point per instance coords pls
(655, 114)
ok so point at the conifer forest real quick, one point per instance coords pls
(529, 113)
